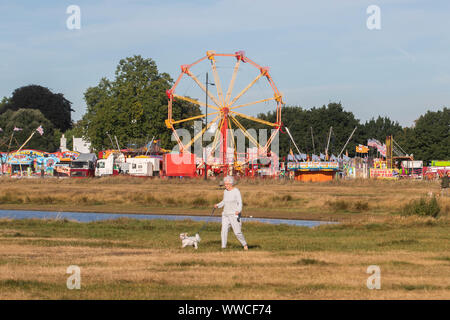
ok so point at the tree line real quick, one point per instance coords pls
(133, 106)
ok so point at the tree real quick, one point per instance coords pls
(132, 107)
(28, 120)
(4, 104)
(300, 121)
(429, 138)
(379, 129)
(53, 106)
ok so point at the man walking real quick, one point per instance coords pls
(231, 215)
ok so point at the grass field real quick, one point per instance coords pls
(130, 259)
(337, 200)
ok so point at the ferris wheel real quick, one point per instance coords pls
(225, 106)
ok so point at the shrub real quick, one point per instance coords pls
(422, 207)
(200, 202)
(361, 205)
(9, 198)
(338, 205)
(287, 197)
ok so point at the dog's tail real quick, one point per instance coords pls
(197, 236)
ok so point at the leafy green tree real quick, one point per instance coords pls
(28, 120)
(53, 106)
(429, 138)
(380, 128)
(132, 107)
(300, 121)
(4, 104)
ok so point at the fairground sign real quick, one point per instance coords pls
(313, 166)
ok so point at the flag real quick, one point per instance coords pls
(17, 129)
(303, 156)
(333, 158)
(40, 130)
(346, 158)
(322, 156)
(315, 158)
(372, 143)
(382, 150)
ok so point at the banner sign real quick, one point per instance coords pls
(436, 163)
(69, 155)
(313, 166)
(23, 159)
(32, 153)
(362, 149)
(384, 173)
(62, 169)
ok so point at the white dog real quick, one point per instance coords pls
(189, 241)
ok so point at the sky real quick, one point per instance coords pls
(318, 51)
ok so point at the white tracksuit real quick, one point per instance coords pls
(231, 203)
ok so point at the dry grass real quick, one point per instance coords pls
(337, 200)
(128, 259)
(161, 274)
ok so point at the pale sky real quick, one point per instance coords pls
(318, 52)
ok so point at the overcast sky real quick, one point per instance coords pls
(318, 51)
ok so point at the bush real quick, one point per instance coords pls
(287, 197)
(422, 207)
(338, 205)
(9, 198)
(200, 202)
(361, 205)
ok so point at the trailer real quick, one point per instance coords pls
(140, 166)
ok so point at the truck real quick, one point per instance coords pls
(113, 165)
(83, 166)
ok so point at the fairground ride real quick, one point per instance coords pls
(225, 109)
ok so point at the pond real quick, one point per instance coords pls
(95, 216)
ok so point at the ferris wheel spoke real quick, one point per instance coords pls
(198, 135)
(246, 89)
(269, 142)
(254, 119)
(194, 118)
(203, 87)
(252, 103)
(217, 81)
(180, 144)
(194, 101)
(245, 132)
(233, 79)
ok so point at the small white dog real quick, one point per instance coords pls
(189, 241)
